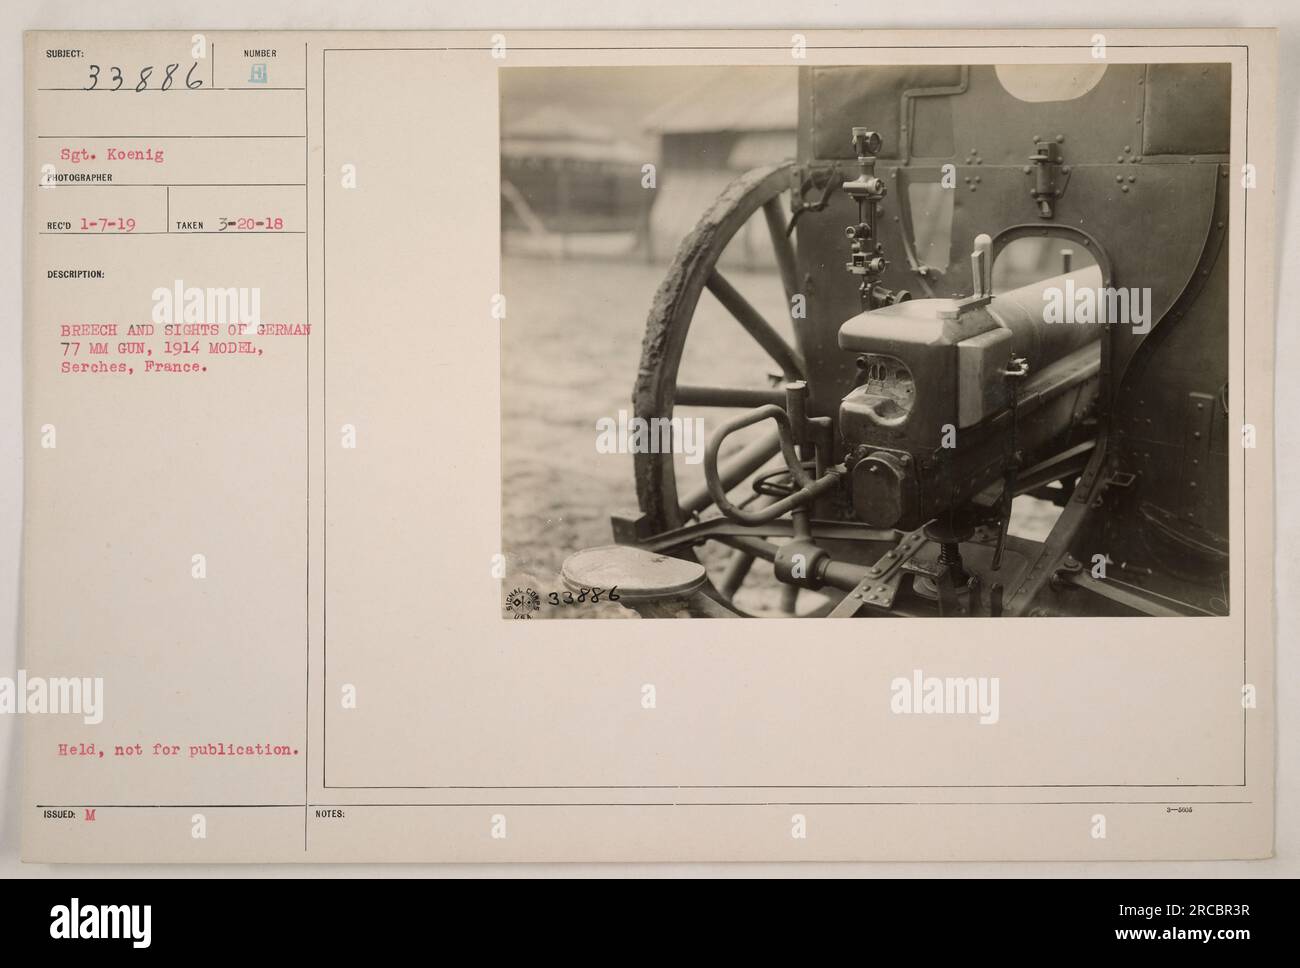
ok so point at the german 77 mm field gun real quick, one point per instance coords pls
(913, 408)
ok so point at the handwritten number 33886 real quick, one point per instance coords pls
(584, 596)
(116, 79)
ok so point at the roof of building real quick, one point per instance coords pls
(553, 132)
(733, 99)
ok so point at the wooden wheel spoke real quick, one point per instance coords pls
(782, 247)
(733, 577)
(773, 343)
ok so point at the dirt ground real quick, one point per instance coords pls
(570, 348)
(569, 357)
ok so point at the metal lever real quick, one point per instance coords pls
(981, 268)
(810, 488)
(1049, 175)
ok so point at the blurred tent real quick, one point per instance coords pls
(736, 119)
(565, 179)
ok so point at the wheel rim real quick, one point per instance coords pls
(694, 269)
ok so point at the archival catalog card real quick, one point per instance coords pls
(649, 446)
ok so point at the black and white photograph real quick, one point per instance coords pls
(382, 379)
(866, 341)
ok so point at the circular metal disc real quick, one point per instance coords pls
(639, 575)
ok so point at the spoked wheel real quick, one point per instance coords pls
(694, 269)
